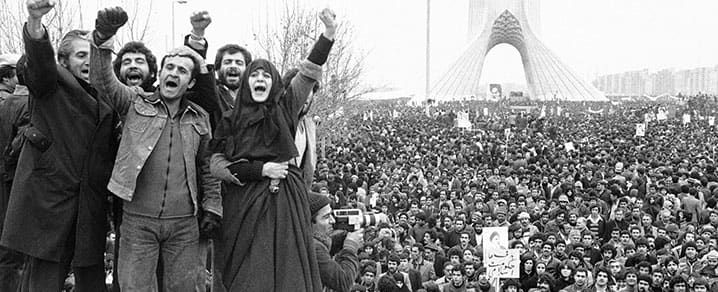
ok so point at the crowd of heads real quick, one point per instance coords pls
(612, 209)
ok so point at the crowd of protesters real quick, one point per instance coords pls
(614, 212)
(94, 185)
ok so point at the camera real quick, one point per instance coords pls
(353, 219)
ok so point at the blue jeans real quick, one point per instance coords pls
(144, 240)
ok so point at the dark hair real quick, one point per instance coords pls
(455, 251)
(138, 48)
(65, 48)
(581, 270)
(393, 258)
(608, 247)
(231, 49)
(20, 69)
(604, 270)
(645, 278)
(6, 71)
(546, 278)
(645, 264)
(386, 284)
(677, 279)
(419, 246)
(668, 260)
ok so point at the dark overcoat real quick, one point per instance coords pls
(59, 197)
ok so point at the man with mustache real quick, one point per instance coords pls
(230, 62)
(135, 65)
(160, 184)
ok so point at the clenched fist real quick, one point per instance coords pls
(328, 17)
(38, 8)
(200, 20)
(109, 20)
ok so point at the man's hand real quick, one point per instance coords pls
(37, 8)
(200, 20)
(275, 170)
(109, 20)
(356, 236)
(210, 225)
(328, 17)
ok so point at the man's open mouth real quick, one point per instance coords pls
(134, 76)
(171, 84)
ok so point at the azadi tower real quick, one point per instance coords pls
(514, 22)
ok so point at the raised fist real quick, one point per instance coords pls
(200, 21)
(38, 8)
(109, 20)
(328, 17)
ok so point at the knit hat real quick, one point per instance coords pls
(317, 202)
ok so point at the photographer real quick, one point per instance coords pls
(337, 274)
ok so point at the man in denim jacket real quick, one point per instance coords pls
(161, 165)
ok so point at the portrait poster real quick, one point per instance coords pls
(499, 260)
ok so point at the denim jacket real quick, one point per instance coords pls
(143, 120)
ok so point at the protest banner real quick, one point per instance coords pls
(499, 260)
(641, 130)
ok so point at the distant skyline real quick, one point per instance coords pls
(594, 37)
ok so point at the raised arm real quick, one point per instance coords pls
(310, 70)
(200, 20)
(41, 69)
(102, 76)
(204, 92)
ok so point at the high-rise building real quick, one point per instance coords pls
(666, 81)
(517, 23)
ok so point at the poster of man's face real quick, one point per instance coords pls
(495, 238)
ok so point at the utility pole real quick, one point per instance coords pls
(428, 47)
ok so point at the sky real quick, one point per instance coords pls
(593, 37)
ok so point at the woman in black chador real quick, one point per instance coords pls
(266, 241)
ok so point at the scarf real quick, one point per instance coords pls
(259, 130)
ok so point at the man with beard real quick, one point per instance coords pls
(230, 62)
(135, 65)
(421, 264)
(392, 265)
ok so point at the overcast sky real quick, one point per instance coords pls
(593, 37)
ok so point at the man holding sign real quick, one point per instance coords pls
(499, 260)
